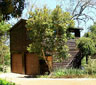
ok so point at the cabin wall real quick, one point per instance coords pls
(18, 38)
(21, 61)
(32, 66)
(25, 63)
(28, 63)
(68, 62)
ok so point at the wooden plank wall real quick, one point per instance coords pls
(17, 63)
(73, 51)
(32, 64)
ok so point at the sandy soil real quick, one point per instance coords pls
(25, 80)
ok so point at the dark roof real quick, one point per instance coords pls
(21, 20)
(75, 28)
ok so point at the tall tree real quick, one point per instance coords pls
(81, 10)
(4, 54)
(11, 8)
(87, 44)
(48, 31)
(4, 28)
(4, 49)
(87, 47)
(92, 33)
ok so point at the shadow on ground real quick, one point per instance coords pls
(29, 76)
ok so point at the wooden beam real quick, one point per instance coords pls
(11, 61)
(23, 62)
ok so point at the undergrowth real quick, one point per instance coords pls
(4, 82)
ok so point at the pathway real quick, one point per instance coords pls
(21, 80)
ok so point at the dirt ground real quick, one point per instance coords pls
(25, 80)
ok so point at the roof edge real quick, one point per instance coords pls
(75, 28)
(17, 23)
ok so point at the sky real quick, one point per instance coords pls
(51, 4)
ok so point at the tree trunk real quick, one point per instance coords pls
(86, 59)
(3, 65)
(46, 60)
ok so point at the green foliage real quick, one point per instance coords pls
(4, 54)
(86, 46)
(87, 72)
(91, 66)
(4, 82)
(92, 33)
(83, 62)
(93, 28)
(48, 30)
(4, 46)
(70, 36)
(4, 27)
(68, 73)
(42, 76)
(11, 7)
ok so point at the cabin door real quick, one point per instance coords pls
(17, 63)
(32, 64)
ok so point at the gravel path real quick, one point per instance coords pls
(21, 80)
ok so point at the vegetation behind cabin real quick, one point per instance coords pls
(4, 46)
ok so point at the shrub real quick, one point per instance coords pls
(91, 66)
(4, 82)
(87, 47)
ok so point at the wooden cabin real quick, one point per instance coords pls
(21, 60)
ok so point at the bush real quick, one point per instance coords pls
(4, 82)
(86, 46)
(91, 66)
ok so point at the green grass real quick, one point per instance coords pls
(4, 82)
(68, 73)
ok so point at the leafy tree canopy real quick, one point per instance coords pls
(4, 27)
(48, 30)
(4, 53)
(86, 46)
(10, 8)
(82, 11)
(4, 49)
(92, 33)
